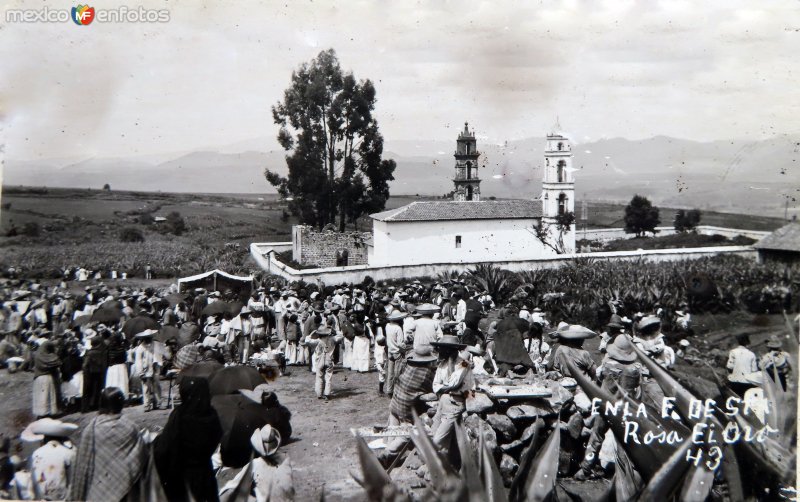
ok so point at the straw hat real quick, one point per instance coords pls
(37, 430)
(449, 341)
(211, 320)
(774, 342)
(575, 332)
(210, 342)
(621, 350)
(396, 316)
(420, 360)
(148, 333)
(321, 331)
(428, 308)
(265, 440)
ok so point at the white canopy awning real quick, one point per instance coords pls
(248, 278)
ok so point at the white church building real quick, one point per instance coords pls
(470, 230)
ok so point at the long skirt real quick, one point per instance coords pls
(361, 354)
(74, 387)
(45, 399)
(117, 376)
(291, 353)
(347, 354)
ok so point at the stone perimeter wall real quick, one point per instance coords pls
(322, 248)
(264, 255)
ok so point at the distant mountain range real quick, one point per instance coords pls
(731, 175)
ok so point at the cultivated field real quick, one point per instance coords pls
(81, 228)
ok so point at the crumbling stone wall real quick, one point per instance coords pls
(328, 248)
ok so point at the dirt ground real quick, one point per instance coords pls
(322, 449)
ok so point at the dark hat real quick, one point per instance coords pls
(449, 341)
(615, 322)
(321, 331)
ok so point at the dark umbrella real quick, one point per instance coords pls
(239, 417)
(139, 324)
(107, 315)
(231, 379)
(216, 308)
(81, 320)
(235, 308)
(167, 332)
(111, 304)
(176, 298)
(201, 370)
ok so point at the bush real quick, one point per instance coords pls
(146, 219)
(31, 229)
(131, 234)
(687, 221)
(107, 187)
(175, 223)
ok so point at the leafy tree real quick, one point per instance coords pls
(552, 234)
(107, 187)
(335, 147)
(687, 221)
(131, 234)
(641, 216)
(175, 223)
(146, 219)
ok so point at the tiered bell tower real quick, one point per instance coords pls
(466, 181)
(558, 185)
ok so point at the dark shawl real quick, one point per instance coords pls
(508, 345)
(183, 450)
(46, 361)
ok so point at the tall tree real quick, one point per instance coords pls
(687, 221)
(641, 216)
(335, 148)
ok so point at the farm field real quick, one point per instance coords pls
(80, 227)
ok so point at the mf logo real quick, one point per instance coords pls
(83, 15)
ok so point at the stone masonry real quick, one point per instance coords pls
(328, 248)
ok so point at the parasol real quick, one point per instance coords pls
(139, 324)
(81, 320)
(216, 308)
(107, 315)
(111, 305)
(239, 417)
(201, 370)
(235, 308)
(229, 380)
(167, 332)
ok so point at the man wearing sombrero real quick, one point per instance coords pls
(452, 382)
(323, 360)
(776, 361)
(427, 329)
(396, 347)
(570, 348)
(146, 363)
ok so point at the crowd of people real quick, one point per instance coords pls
(107, 348)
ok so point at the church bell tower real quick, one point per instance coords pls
(558, 185)
(466, 181)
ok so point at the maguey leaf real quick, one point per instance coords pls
(775, 396)
(492, 479)
(542, 476)
(771, 453)
(469, 467)
(647, 458)
(375, 477)
(697, 484)
(438, 468)
(526, 458)
(666, 480)
(732, 473)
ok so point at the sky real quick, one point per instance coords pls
(710, 70)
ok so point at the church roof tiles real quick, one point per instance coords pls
(466, 210)
(786, 238)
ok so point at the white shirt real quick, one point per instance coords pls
(50, 468)
(458, 376)
(741, 363)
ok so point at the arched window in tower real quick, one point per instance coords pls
(469, 170)
(562, 171)
(562, 204)
(469, 192)
(560, 146)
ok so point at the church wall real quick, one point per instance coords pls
(421, 242)
(312, 247)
